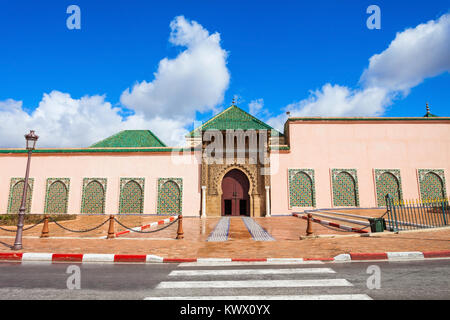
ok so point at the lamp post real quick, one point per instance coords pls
(31, 139)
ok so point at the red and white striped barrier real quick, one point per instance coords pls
(331, 224)
(147, 226)
(143, 258)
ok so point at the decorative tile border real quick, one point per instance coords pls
(421, 173)
(86, 181)
(291, 176)
(161, 182)
(353, 174)
(381, 201)
(123, 182)
(50, 181)
(13, 182)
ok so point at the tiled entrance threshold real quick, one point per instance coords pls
(238, 228)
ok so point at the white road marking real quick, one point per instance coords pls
(239, 263)
(237, 272)
(254, 284)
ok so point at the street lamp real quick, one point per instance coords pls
(31, 139)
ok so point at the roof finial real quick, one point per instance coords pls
(428, 108)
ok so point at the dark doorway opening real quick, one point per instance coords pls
(227, 207)
(235, 197)
(243, 207)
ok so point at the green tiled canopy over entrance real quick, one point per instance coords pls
(234, 118)
(130, 139)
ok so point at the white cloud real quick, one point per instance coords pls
(61, 121)
(336, 101)
(414, 55)
(255, 106)
(193, 81)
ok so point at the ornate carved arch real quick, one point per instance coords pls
(218, 176)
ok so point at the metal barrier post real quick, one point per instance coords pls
(180, 233)
(309, 230)
(45, 232)
(443, 212)
(388, 211)
(394, 211)
(111, 228)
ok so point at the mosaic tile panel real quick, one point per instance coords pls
(15, 195)
(432, 184)
(57, 195)
(301, 188)
(94, 191)
(170, 191)
(345, 188)
(131, 195)
(388, 181)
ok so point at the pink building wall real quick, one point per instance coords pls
(111, 166)
(318, 145)
(362, 145)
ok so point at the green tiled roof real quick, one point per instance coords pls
(233, 118)
(430, 115)
(130, 139)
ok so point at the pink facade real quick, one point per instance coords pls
(364, 146)
(406, 145)
(112, 166)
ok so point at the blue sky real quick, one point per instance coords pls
(277, 52)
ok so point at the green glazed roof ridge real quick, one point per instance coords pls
(223, 114)
(156, 137)
(101, 141)
(137, 138)
(430, 115)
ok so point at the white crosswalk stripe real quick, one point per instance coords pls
(238, 263)
(255, 283)
(238, 272)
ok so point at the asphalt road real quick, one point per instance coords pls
(424, 279)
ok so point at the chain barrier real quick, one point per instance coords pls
(152, 231)
(24, 229)
(78, 231)
(7, 230)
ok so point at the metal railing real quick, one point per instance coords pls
(416, 214)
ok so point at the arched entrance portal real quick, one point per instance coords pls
(235, 198)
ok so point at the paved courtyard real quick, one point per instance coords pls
(285, 232)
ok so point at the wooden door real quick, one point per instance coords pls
(235, 198)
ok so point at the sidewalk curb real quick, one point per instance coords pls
(143, 258)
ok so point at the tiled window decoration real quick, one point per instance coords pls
(301, 188)
(388, 181)
(345, 188)
(432, 184)
(57, 195)
(170, 194)
(15, 194)
(94, 192)
(131, 195)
